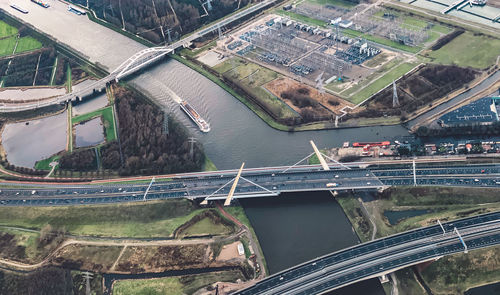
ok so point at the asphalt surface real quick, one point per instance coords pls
(381, 256)
(254, 183)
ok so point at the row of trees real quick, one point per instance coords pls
(493, 129)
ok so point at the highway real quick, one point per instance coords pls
(382, 256)
(255, 182)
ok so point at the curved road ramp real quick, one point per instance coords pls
(382, 256)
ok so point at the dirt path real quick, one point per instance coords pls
(123, 243)
(118, 258)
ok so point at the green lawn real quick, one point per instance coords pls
(134, 220)
(390, 43)
(253, 78)
(381, 82)
(173, 285)
(7, 46)
(206, 226)
(27, 44)
(44, 164)
(7, 30)
(468, 50)
(414, 23)
(107, 115)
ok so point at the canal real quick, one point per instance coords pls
(296, 227)
(292, 229)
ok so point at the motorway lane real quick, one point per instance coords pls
(271, 182)
(369, 259)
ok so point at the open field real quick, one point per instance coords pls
(7, 46)
(468, 50)
(381, 82)
(206, 226)
(457, 273)
(252, 78)
(155, 219)
(7, 30)
(173, 285)
(27, 44)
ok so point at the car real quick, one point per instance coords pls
(33, 192)
(482, 171)
(476, 180)
(332, 184)
(336, 176)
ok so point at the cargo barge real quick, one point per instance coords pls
(19, 8)
(193, 114)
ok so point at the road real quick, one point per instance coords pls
(382, 256)
(255, 182)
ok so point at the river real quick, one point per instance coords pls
(237, 135)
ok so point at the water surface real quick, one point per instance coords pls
(30, 141)
(89, 133)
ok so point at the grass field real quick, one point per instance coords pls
(468, 50)
(253, 77)
(155, 219)
(173, 285)
(107, 115)
(7, 46)
(206, 226)
(27, 44)
(7, 30)
(457, 273)
(44, 164)
(380, 83)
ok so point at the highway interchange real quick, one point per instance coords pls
(381, 256)
(257, 182)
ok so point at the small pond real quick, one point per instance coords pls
(28, 142)
(89, 133)
(396, 216)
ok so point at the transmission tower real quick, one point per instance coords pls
(209, 4)
(192, 140)
(395, 99)
(220, 31)
(169, 30)
(319, 83)
(165, 123)
(87, 275)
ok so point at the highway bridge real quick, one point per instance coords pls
(138, 61)
(382, 256)
(254, 182)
